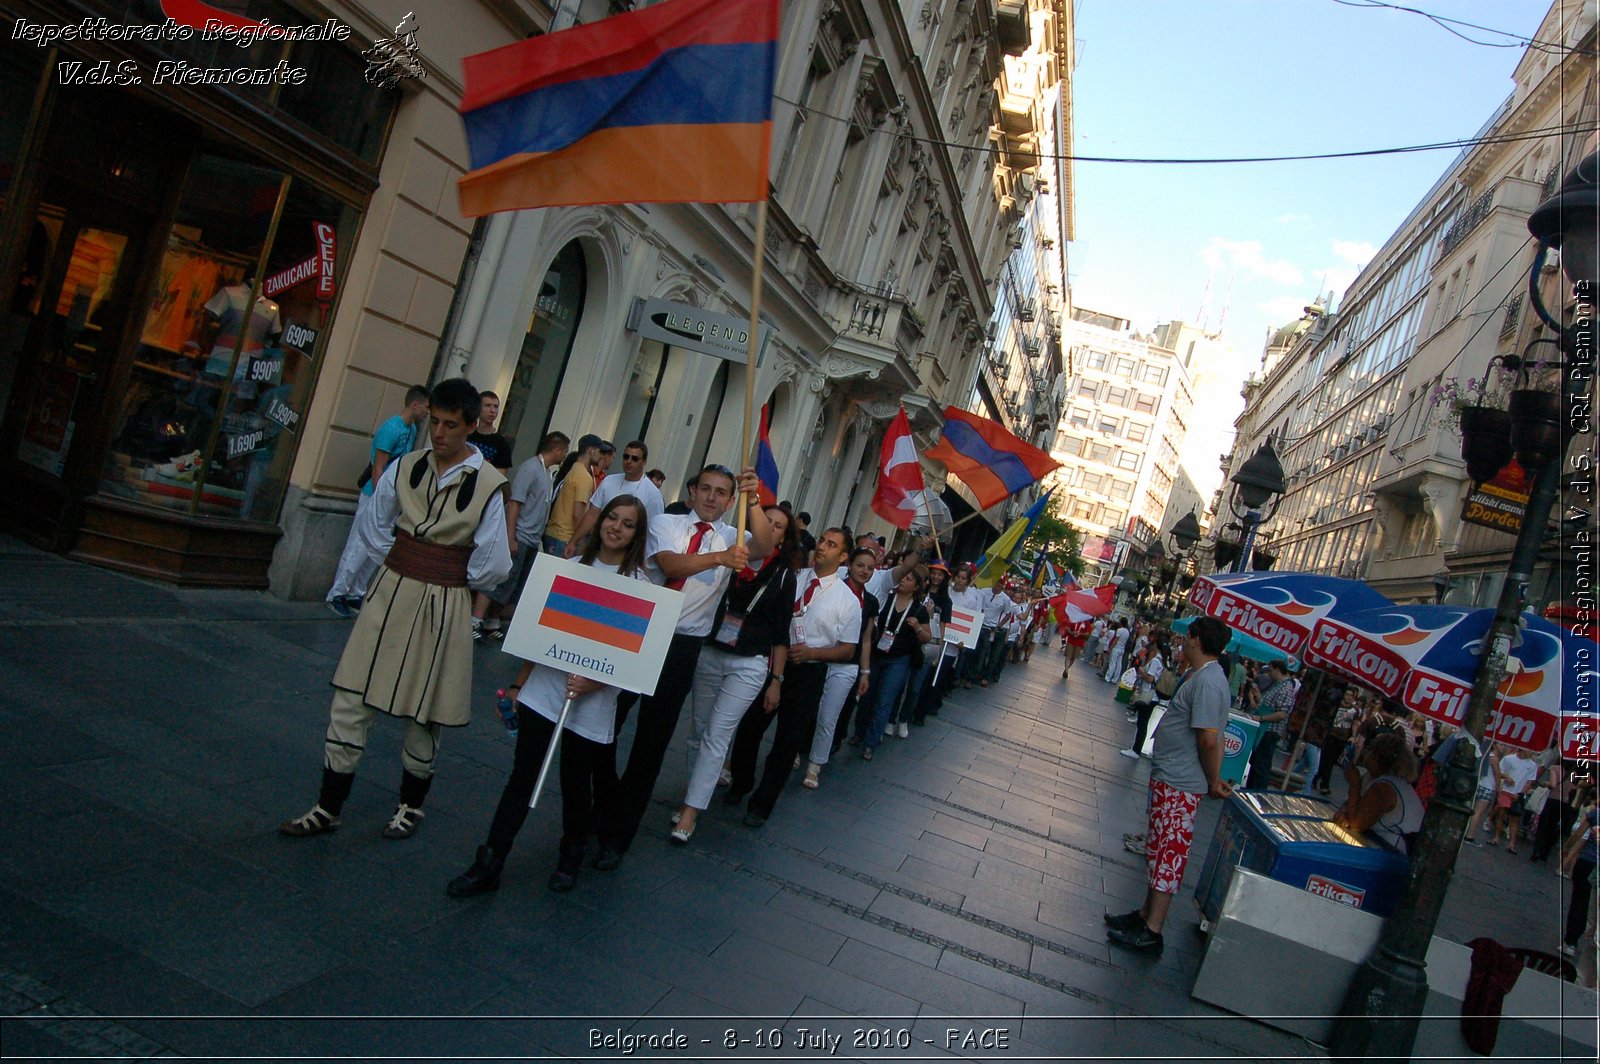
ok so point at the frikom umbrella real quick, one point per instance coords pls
(1425, 657)
(1280, 609)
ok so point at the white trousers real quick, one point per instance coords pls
(724, 687)
(835, 689)
(356, 567)
(1114, 669)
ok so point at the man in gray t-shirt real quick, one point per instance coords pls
(527, 510)
(1186, 766)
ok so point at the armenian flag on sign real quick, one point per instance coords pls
(766, 464)
(990, 460)
(597, 613)
(669, 104)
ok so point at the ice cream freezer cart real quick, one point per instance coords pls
(1290, 838)
(1239, 740)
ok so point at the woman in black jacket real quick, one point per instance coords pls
(742, 663)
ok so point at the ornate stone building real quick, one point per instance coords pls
(1376, 481)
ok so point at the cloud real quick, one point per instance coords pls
(1356, 252)
(1284, 309)
(1248, 255)
(1293, 219)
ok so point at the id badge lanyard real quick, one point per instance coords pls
(886, 640)
(802, 606)
(733, 620)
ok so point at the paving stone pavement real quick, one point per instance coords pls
(937, 902)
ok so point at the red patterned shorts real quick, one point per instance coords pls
(1168, 835)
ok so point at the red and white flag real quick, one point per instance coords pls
(899, 475)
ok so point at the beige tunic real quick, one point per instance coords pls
(410, 653)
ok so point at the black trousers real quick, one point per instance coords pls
(1578, 904)
(797, 718)
(652, 734)
(1141, 729)
(1555, 823)
(1261, 762)
(587, 778)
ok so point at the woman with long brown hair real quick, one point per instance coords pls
(588, 754)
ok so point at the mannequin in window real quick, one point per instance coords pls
(224, 318)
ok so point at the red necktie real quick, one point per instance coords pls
(699, 537)
(805, 600)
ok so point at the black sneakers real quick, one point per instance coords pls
(1140, 938)
(1125, 922)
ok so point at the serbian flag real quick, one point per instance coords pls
(668, 104)
(766, 464)
(988, 459)
(899, 475)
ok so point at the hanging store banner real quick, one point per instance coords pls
(1500, 502)
(318, 267)
(683, 326)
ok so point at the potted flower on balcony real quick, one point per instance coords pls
(1477, 410)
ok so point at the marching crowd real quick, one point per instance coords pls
(823, 638)
(820, 637)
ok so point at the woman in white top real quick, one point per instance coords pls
(1387, 805)
(1150, 668)
(588, 754)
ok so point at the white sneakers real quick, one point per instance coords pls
(1129, 753)
(181, 468)
(904, 731)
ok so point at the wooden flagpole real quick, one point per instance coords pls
(754, 350)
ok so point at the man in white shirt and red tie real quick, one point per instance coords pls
(696, 553)
(826, 628)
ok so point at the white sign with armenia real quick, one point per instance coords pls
(581, 620)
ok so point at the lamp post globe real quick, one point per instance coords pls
(1381, 1008)
(1258, 482)
(1570, 220)
(1186, 533)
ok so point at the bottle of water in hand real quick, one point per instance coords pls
(508, 710)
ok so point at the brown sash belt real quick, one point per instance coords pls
(432, 563)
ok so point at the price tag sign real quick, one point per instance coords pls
(281, 413)
(264, 370)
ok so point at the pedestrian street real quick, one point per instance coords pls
(945, 899)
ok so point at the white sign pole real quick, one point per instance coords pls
(550, 753)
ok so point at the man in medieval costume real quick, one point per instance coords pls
(437, 520)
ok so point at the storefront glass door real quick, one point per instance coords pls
(73, 293)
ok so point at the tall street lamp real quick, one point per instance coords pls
(1185, 534)
(1381, 1009)
(1257, 483)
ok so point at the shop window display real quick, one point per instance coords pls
(217, 391)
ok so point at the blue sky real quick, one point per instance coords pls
(1184, 78)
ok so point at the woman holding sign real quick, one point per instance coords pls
(588, 750)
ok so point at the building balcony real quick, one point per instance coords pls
(877, 333)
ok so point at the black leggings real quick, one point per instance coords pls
(1142, 727)
(1555, 823)
(588, 775)
(1582, 898)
